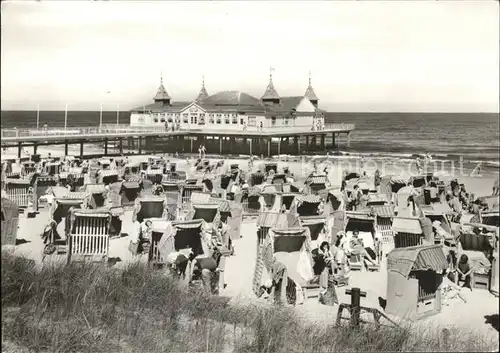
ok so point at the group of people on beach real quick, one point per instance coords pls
(202, 152)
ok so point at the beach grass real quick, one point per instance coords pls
(88, 308)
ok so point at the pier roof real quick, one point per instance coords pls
(233, 98)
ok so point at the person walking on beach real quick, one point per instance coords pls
(355, 198)
(418, 164)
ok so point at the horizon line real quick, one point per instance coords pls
(339, 111)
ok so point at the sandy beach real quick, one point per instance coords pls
(239, 268)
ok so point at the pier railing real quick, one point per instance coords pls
(127, 129)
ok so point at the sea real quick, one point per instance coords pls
(473, 137)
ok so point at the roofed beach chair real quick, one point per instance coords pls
(131, 169)
(154, 175)
(109, 176)
(88, 235)
(41, 186)
(10, 221)
(97, 195)
(28, 168)
(20, 192)
(365, 223)
(250, 202)
(187, 188)
(130, 191)
(150, 207)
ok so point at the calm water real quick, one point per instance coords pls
(447, 136)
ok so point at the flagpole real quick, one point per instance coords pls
(117, 114)
(100, 117)
(38, 116)
(66, 117)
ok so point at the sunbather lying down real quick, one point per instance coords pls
(450, 290)
(358, 249)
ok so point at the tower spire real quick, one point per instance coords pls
(270, 94)
(162, 95)
(203, 92)
(310, 94)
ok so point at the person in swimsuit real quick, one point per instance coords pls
(464, 271)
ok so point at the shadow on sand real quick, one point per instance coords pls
(113, 261)
(382, 302)
(493, 320)
(22, 241)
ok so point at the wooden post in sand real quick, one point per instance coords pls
(81, 149)
(251, 140)
(356, 295)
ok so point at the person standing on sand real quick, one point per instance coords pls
(199, 152)
(203, 151)
(418, 164)
(495, 188)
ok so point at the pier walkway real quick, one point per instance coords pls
(151, 135)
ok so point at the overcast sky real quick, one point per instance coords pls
(364, 56)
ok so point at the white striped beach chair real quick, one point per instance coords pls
(19, 191)
(88, 235)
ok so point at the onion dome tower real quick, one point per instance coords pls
(310, 94)
(162, 95)
(203, 92)
(270, 95)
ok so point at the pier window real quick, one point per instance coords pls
(211, 119)
(226, 119)
(162, 120)
(185, 118)
(235, 119)
(202, 119)
(218, 118)
(194, 118)
(155, 119)
(287, 122)
(242, 121)
(273, 121)
(252, 121)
